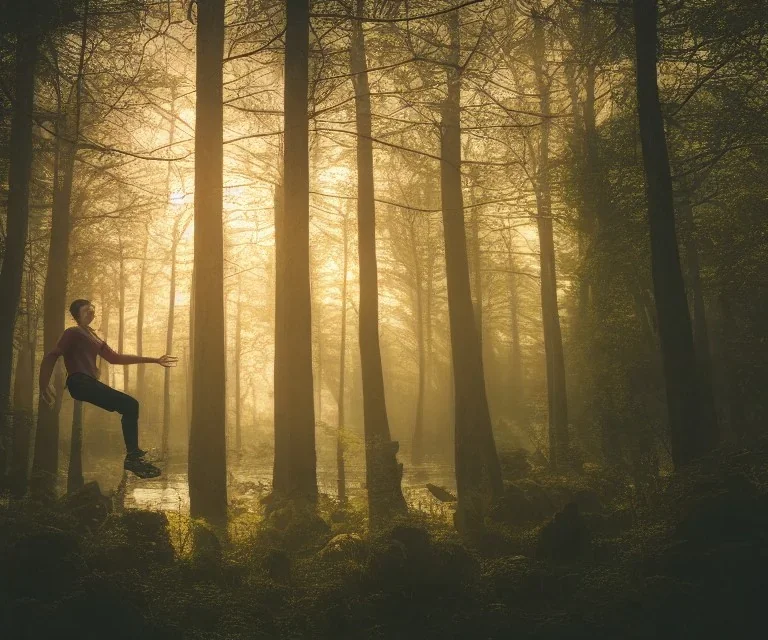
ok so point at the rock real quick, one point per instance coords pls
(565, 537)
(414, 539)
(148, 532)
(440, 493)
(44, 564)
(87, 505)
(343, 546)
(388, 562)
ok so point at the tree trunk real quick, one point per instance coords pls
(340, 467)
(169, 344)
(700, 327)
(121, 314)
(417, 444)
(75, 474)
(46, 458)
(238, 356)
(477, 275)
(141, 367)
(478, 473)
(105, 311)
(693, 427)
(553, 341)
(518, 404)
(207, 437)
(23, 395)
(295, 470)
(19, 172)
(383, 472)
(176, 238)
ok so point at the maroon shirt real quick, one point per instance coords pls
(80, 348)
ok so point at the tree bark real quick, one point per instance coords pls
(295, 467)
(383, 472)
(141, 368)
(75, 474)
(692, 426)
(23, 395)
(478, 473)
(207, 436)
(46, 457)
(121, 314)
(417, 443)
(165, 438)
(176, 238)
(340, 466)
(238, 356)
(559, 457)
(17, 222)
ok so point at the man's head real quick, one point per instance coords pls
(82, 311)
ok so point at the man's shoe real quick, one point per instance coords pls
(137, 465)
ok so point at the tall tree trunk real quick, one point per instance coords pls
(23, 394)
(295, 468)
(383, 472)
(477, 275)
(105, 311)
(692, 423)
(553, 342)
(75, 474)
(46, 457)
(518, 403)
(238, 356)
(169, 343)
(207, 437)
(700, 327)
(176, 238)
(478, 473)
(17, 221)
(121, 314)
(340, 467)
(141, 368)
(417, 444)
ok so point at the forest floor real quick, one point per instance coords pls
(688, 559)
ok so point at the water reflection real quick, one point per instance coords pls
(249, 482)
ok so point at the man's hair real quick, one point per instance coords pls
(74, 308)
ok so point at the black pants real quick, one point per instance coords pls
(87, 389)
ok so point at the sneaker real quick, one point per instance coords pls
(137, 465)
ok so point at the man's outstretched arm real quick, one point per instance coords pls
(113, 357)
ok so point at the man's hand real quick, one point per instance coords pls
(167, 360)
(49, 395)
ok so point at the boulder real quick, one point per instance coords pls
(348, 546)
(565, 537)
(87, 505)
(44, 563)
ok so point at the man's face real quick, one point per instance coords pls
(86, 314)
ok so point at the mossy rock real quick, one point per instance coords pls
(344, 546)
(44, 563)
(564, 538)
